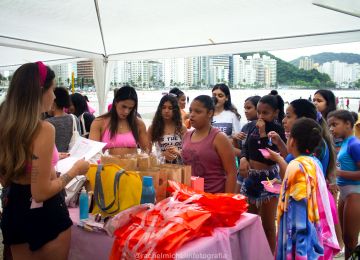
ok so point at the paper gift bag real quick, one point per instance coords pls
(186, 175)
(143, 162)
(173, 172)
(159, 182)
(129, 163)
(154, 162)
(161, 192)
(197, 183)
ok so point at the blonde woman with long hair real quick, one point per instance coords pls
(35, 221)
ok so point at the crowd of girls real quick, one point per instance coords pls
(317, 208)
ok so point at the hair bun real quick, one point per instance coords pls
(274, 92)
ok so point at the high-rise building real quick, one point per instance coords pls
(197, 70)
(85, 69)
(155, 73)
(269, 71)
(306, 63)
(340, 72)
(258, 65)
(63, 73)
(238, 71)
(174, 71)
(250, 72)
(189, 68)
(218, 69)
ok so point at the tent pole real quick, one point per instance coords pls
(100, 25)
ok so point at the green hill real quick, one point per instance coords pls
(288, 74)
(323, 57)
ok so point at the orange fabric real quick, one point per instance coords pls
(174, 221)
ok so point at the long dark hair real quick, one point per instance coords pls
(227, 105)
(124, 93)
(158, 121)
(305, 108)
(329, 96)
(20, 119)
(79, 103)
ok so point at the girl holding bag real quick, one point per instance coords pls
(167, 130)
(35, 221)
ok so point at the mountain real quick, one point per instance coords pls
(288, 74)
(323, 57)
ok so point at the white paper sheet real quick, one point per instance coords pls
(83, 148)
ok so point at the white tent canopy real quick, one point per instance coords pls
(108, 30)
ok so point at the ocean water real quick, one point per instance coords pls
(149, 100)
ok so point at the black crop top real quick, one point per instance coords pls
(254, 142)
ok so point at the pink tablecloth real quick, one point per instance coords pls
(245, 241)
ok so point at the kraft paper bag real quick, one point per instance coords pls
(126, 162)
(143, 162)
(186, 175)
(173, 172)
(154, 162)
(159, 182)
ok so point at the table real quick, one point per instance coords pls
(245, 241)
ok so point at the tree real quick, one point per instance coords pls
(357, 84)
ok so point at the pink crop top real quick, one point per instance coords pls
(124, 140)
(55, 157)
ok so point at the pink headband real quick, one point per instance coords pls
(42, 72)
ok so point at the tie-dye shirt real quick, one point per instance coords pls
(305, 224)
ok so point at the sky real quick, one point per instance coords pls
(291, 54)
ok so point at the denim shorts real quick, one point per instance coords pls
(254, 190)
(347, 190)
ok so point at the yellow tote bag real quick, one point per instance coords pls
(114, 188)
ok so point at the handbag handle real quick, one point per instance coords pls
(99, 194)
(74, 123)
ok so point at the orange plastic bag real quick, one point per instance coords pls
(165, 227)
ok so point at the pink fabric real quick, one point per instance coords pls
(124, 140)
(246, 240)
(55, 157)
(109, 107)
(42, 72)
(333, 208)
(90, 108)
(324, 199)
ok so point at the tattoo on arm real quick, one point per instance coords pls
(65, 179)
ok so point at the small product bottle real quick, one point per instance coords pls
(148, 191)
(84, 204)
